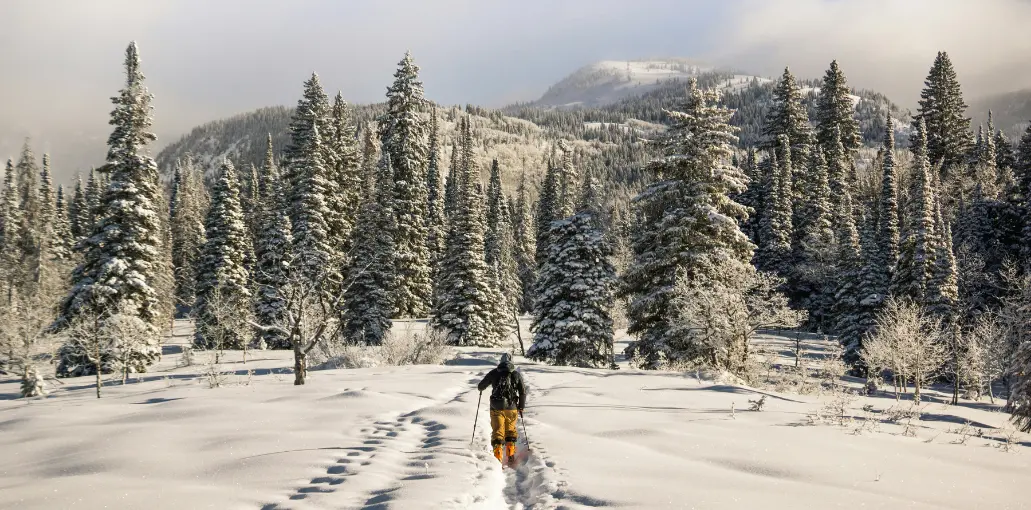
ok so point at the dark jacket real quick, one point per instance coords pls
(496, 402)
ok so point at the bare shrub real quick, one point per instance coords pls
(907, 343)
(427, 348)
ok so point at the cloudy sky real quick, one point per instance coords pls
(206, 59)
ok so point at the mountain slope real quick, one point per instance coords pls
(1011, 112)
(608, 81)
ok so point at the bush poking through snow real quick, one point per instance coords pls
(757, 405)
(397, 350)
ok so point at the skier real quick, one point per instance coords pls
(507, 400)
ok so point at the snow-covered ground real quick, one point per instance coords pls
(399, 437)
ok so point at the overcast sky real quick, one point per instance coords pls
(60, 61)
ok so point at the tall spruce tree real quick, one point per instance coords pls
(547, 205)
(187, 211)
(313, 253)
(403, 132)
(915, 265)
(776, 228)
(888, 211)
(223, 290)
(76, 208)
(121, 260)
(462, 308)
(835, 110)
(368, 303)
(565, 203)
(10, 231)
(572, 322)
(273, 255)
(787, 116)
(435, 215)
(498, 246)
(688, 223)
(942, 108)
(942, 293)
(451, 183)
(307, 177)
(344, 191)
(61, 232)
(524, 245)
(90, 214)
(1005, 157)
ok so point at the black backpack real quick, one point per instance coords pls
(506, 391)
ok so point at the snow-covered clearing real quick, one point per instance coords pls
(399, 437)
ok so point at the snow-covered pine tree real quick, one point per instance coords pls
(888, 211)
(186, 222)
(344, 194)
(368, 303)
(62, 240)
(223, 291)
(435, 217)
(1005, 157)
(915, 265)
(121, 259)
(28, 190)
(753, 195)
(313, 253)
(524, 245)
(572, 324)
(451, 182)
(776, 228)
(787, 116)
(547, 203)
(403, 132)
(273, 254)
(462, 308)
(370, 162)
(942, 292)
(306, 176)
(498, 254)
(1019, 374)
(835, 110)
(46, 200)
(10, 223)
(565, 203)
(94, 194)
(688, 223)
(843, 223)
(942, 108)
(76, 208)
(813, 244)
(815, 227)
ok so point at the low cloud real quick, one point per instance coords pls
(886, 45)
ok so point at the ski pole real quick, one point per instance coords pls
(526, 437)
(477, 418)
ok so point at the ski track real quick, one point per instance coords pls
(395, 452)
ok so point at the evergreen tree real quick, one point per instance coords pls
(451, 184)
(1022, 170)
(524, 246)
(343, 195)
(46, 199)
(888, 211)
(404, 137)
(941, 107)
(1004, 155)
(836, 111)
(816, 230)
(776, 228)
(223, 293)
(689, 225)
(843, 223)
(787, 116)
(90, 214)
(547, 205)
(10, 231)
(370, 162)
(462, 308)
(498, 246)
(754, 195)
(61, 230)
(186, 218)
(76, 210)
(572, 324)
(121, 260)
(28, 188)
(313, 254)
(565, 203)
(915, 265)
(942, 293)
(369, 296)
(435, 207)
(273, 256)
(864, 300)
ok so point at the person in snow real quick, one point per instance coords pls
(507, 400)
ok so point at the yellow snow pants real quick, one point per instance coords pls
(503, 426)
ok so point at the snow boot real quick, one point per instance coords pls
(498, 452)
(510, 449)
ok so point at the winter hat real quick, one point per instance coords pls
(506, 358)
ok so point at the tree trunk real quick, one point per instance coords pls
(300, 365)
(519, 332)
(916, 391)
(991, 393)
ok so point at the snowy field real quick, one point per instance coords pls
(399, 438)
